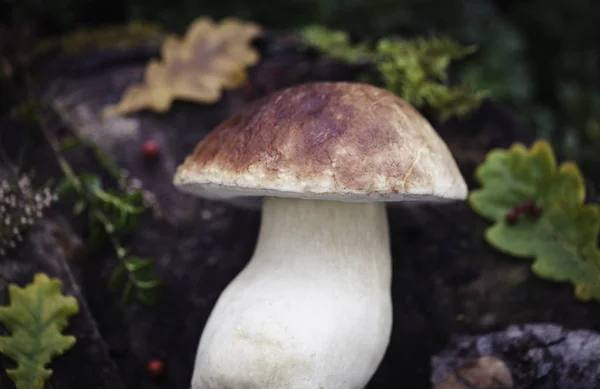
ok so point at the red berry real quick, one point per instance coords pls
(535, 212)
(511, 217)
(150, 149)
(528, 205)
(156, 367)
(525, 207)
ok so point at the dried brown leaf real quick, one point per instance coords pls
(487, 372)
(211, 57)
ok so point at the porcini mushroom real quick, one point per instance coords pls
(312, 309)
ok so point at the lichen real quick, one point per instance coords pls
(20, 206)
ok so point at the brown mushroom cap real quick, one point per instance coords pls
(327, 140)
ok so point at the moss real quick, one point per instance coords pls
(414, 69)
(132, 35)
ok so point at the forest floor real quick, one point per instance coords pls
(447, 279)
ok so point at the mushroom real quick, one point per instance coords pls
(312, 309)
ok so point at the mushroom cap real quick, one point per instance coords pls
(343, 141)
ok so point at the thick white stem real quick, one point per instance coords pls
(311, 310)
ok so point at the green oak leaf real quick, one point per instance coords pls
(36, 316)
(563, 239)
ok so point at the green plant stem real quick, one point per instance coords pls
(78, 185)
(119, 249)
(103, 159)
(62, 161)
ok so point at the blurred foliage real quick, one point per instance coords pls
(130, 35)
(336, 44)
(362, 17)
(539, 57)
(545, 66)
(113, 214)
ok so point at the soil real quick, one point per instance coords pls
(447, 280)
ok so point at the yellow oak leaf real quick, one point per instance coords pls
(211, 57)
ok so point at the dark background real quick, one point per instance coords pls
(540, 57)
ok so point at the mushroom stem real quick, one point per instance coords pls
(312, 309)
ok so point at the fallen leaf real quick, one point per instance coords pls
(211, 57)
(487, 372)
(563, 238)
(36, 316)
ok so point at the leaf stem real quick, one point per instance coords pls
(62, 161)
(119, 249)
